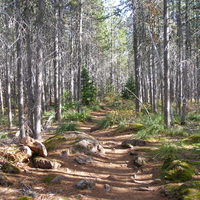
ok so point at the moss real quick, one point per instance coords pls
(187, 191)
(178, 171)
(137, 127)
(49, 178)
(53, 142)
(24, 198)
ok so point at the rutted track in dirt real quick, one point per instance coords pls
(116, 168)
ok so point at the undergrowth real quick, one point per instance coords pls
(66, 127)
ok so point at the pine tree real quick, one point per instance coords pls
(89, 91)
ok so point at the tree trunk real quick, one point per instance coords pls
(8, 83)
(39, 67)
(20, 70)
(30, 70)
(186, 63)
(79, 57)
(136, 63)
(167, 103)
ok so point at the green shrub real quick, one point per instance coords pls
(193, 116)
(178, 171)
(105, 123)
(131, 86)
(186, 191)
(66, 127)
(73, 115)
(168, 150)
(88, 91)
(193, 139)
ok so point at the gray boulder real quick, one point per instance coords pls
(87, 146)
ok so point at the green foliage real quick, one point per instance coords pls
(72, 115)
(193, 116)
(49, 178)
(131, 86)
(135, 127)
(178, 171)
(193, 139)
(105, 123)
(24, 198)
(3, 136)
(96, 107)
(112, 99)
(186, 191)
(70, 105)
(121, 117)
(66, 127)
(168, 150)
(89, 92)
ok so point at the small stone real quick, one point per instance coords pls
(107, 187)
(86, 184)
(112, 178)
(78, 196)
(140, 161)
(84, 159)
(58, 179)
(133, 142)
(133, 153)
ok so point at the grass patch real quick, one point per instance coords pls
(67, 127)
(168, 150)
(49, 178)
(72, 115)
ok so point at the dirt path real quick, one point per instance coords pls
(114, 174)
(116, 169)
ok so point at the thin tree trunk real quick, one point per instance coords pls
(1, 98)
(166, 70)
(79, 57)
(39, 66)
(136, 63)
(186, 63)
(20, 70)
(8, 83)
(30, 71)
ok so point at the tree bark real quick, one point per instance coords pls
(167, 103)
(136, 63)
(30, 70)
(20, 70)
(39, 67)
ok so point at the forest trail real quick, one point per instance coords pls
(117, 170)
(114, 173)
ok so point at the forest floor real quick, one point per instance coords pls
(114, 173)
